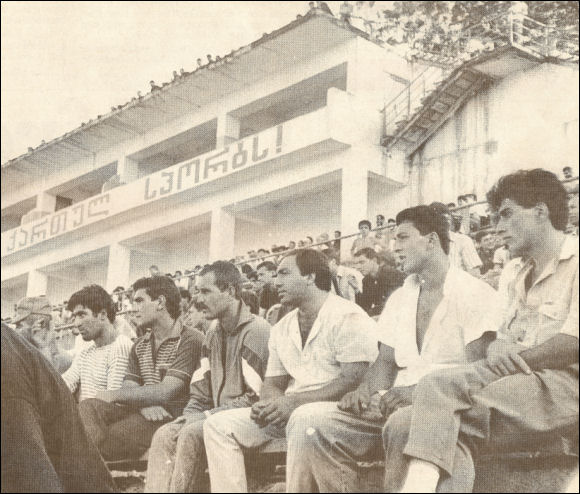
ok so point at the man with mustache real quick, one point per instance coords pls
(437, 319)
(122, 422)
(318, 352)
(229, 375)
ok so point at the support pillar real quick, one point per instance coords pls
(221, 238)
(46, 203)
(228, 130)
(37, 283)
(119, 267)
(127, 169)
(354, 203)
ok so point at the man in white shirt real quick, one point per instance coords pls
(318, 352)
(462, 251)
(103, 364)
(437, 319)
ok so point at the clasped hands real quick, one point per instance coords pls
(274, 412)
(359, 400)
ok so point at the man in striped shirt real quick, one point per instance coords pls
(122, 422)
(230, 373)
(101, 366)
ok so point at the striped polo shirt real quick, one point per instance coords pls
(177, 356)
(99, 368)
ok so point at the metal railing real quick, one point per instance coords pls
(516, 30)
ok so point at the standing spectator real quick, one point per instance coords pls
(44, 445)
(229, 375)
(346, 282)
(267, 293)
(33, 323)
(462, 252)
(336, 241)
(364, 240)
(160, 368)
(101, 366)
(339, 340)
(378, 283)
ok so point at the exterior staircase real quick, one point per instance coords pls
(430, 99)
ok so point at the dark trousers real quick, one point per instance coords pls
(118, 431)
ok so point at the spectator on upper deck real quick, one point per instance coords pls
(365, 239)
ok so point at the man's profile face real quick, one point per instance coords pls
(88, 325)
(516, 226)
(290, 284)
(411, 248)
(147, 309)
(210, 299)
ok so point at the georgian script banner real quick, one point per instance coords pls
(182, 176)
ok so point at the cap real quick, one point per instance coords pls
(32, 305)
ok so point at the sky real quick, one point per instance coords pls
(64, 63)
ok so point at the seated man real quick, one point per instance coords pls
(101, 366)
(318, 352)
(436, 320)
(230, 373)
(380, 280)
(122, 422)
(462, 252)
(44, 445)
(526, 390)
(34, 323)
(267, 293)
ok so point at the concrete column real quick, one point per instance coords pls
(228, 130)
(354, 203)
(37, 283)
(221, 237)
(127, 169)
(46, 202)
(119, 267)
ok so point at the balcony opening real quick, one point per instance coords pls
(299, 99)
(179, 148)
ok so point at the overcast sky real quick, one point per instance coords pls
(64, 63)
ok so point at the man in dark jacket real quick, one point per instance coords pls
(380, 280)
(229, 375)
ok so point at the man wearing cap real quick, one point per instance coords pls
(33, 323)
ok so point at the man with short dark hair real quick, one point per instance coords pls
(346, 282)
(317, 352)
(122, 422)
(526, 390)
(485, 240)
(378, 283)
(267, 292)
(462, 252)
(365, 239)
(425, 326)
(229, 375)
(101, 366)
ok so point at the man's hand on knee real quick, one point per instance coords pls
(155, 413)
(356, 401)
(503, 358)
(396, 398)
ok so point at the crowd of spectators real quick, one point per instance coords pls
(154, 349)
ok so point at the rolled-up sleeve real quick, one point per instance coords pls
(275, 366)
(570, 326)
